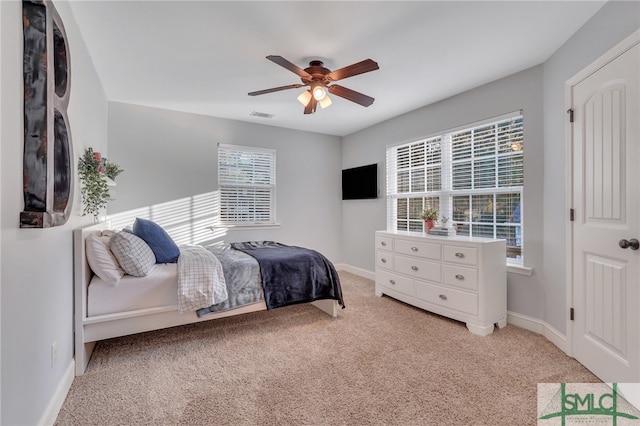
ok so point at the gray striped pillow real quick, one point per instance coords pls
(134, 255)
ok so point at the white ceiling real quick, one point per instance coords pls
(205, 56)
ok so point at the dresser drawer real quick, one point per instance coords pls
(395, 282)
(385, 243)
(460, 276)
(419, 249)
(418, 268)
(447, 297)
(384, 259)
(462, 255)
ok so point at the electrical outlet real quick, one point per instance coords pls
(54, 353)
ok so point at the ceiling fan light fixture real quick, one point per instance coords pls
(318, 78)
(325, 102)
(305, 97)
(319, 93)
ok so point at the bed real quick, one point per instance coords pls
(140, 304)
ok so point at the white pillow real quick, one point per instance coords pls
(133, 254)
(101, 260)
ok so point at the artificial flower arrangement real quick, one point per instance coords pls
(95, 172)
(430, 214)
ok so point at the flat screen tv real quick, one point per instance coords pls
(360, 183)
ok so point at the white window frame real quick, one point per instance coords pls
(247, 185)
(441, 195)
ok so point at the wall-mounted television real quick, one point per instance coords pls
(360, 183)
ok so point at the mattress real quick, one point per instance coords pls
(158, 288)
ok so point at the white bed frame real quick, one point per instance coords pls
(89, 330)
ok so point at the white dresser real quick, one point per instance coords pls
(459, 277)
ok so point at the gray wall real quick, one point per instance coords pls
(37, 266)
(169, 155)
(539, 92)
(521, 91)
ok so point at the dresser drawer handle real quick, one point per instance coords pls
(443, 297)
(415, 268)
(460, 277)
(383, 260)
(414, 248)
(393, 282)
(460, 255)
(384, 243)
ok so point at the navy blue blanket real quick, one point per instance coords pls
(293, 275)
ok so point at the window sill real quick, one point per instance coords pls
(243, 227)
(516, 268)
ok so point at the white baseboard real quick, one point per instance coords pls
(356, 271)
(55, 404)
(540, 327)
(519, 320)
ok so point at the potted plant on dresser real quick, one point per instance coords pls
(430, 217)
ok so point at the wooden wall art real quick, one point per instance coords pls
(47, 163)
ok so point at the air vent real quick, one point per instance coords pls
(261, 114)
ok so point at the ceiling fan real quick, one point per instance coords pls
(318, 78)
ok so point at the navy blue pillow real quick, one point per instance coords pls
(165, 249)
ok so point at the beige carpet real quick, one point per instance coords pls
(381, 363)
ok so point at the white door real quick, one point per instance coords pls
(606, 200)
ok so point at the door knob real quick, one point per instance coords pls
(633, 244)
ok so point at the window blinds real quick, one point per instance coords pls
(247, 182)
(490, 156)
(472, 175)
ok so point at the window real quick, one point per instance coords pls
(247, 182)
(474, 177)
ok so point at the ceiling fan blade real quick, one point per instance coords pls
(288, 65)
(275, 89)
(351, 95)
(311, 106)
(355, 69)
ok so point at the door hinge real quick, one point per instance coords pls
(572, 215)
(570, 111)
(571, 314)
